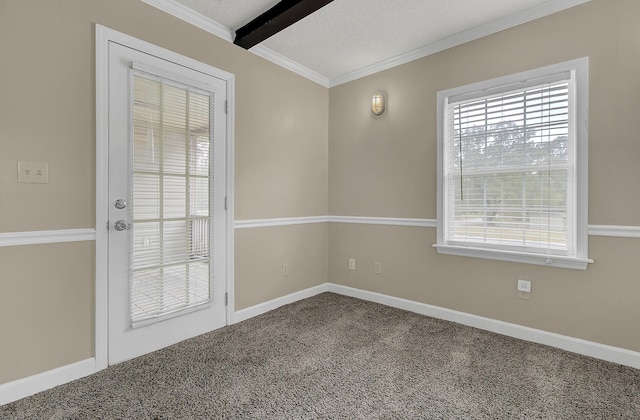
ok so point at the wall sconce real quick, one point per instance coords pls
(378, 104)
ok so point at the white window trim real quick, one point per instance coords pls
(580, 70)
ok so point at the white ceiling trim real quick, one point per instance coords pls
(207, 24)
(498, 25)
(203, 22)
(191, 16)
(281, 60)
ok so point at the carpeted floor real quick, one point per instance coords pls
(332, 356)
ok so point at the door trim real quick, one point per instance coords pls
(104, 36)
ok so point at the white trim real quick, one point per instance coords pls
(478, 32)
(390, 221)
(279, 59)
(46, 237)
(594, 230)
(196, 19)
(90, 234)
(230, 197)
(282, 221)
(615, 231)
(21, 388)
(105, 35)
(575, 345)
(559, 261)
(264, 307)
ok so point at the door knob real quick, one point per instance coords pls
(121, 225)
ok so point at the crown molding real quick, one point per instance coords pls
(194, 18)
(281, 60)
(472, 34)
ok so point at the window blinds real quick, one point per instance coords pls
(170, 159)
(508, 171)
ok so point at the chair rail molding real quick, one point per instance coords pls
(46, 237)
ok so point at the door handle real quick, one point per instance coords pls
(121, 225)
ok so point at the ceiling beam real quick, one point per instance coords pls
(279, 17)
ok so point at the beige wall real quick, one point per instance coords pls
(46, 307)
(47, 113)
(262, 252)
(387, 167)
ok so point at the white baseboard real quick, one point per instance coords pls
(21, 388)
(264, 307)
(575, 345)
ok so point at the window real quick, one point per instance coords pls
(512, 167)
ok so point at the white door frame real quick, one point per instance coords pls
(104, 36)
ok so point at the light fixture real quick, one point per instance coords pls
(378, 105)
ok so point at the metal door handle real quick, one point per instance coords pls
(121, 225)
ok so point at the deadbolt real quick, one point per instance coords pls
(120, 204)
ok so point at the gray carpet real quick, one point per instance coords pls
(336, 357)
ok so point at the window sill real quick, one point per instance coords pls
(513, 256)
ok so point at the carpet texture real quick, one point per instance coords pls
(332, 356)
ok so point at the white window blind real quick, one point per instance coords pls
(508, 170)
(170, 159)
(513, 170)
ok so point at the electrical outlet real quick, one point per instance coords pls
(352, 263)
(524, 295)
(285, 270)
(378, 267)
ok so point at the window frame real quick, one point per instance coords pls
(578, 108)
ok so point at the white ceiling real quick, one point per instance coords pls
(349, 36)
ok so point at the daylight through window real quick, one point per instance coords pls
(510, 170)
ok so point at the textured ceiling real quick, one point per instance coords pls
(347, 35)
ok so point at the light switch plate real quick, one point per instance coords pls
(33, 172)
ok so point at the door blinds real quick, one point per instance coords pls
(170, 195)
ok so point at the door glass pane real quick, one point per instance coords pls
(174, 192)
(170, 253)
(146, 196)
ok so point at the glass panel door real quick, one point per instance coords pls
(170, 233)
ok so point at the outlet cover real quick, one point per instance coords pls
(352, 263)
(524, 295)
(33, 172)
(378, 267)
(285, 270)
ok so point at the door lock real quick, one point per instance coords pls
(121, 225)
(120, 204)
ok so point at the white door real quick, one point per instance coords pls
(167, 221)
